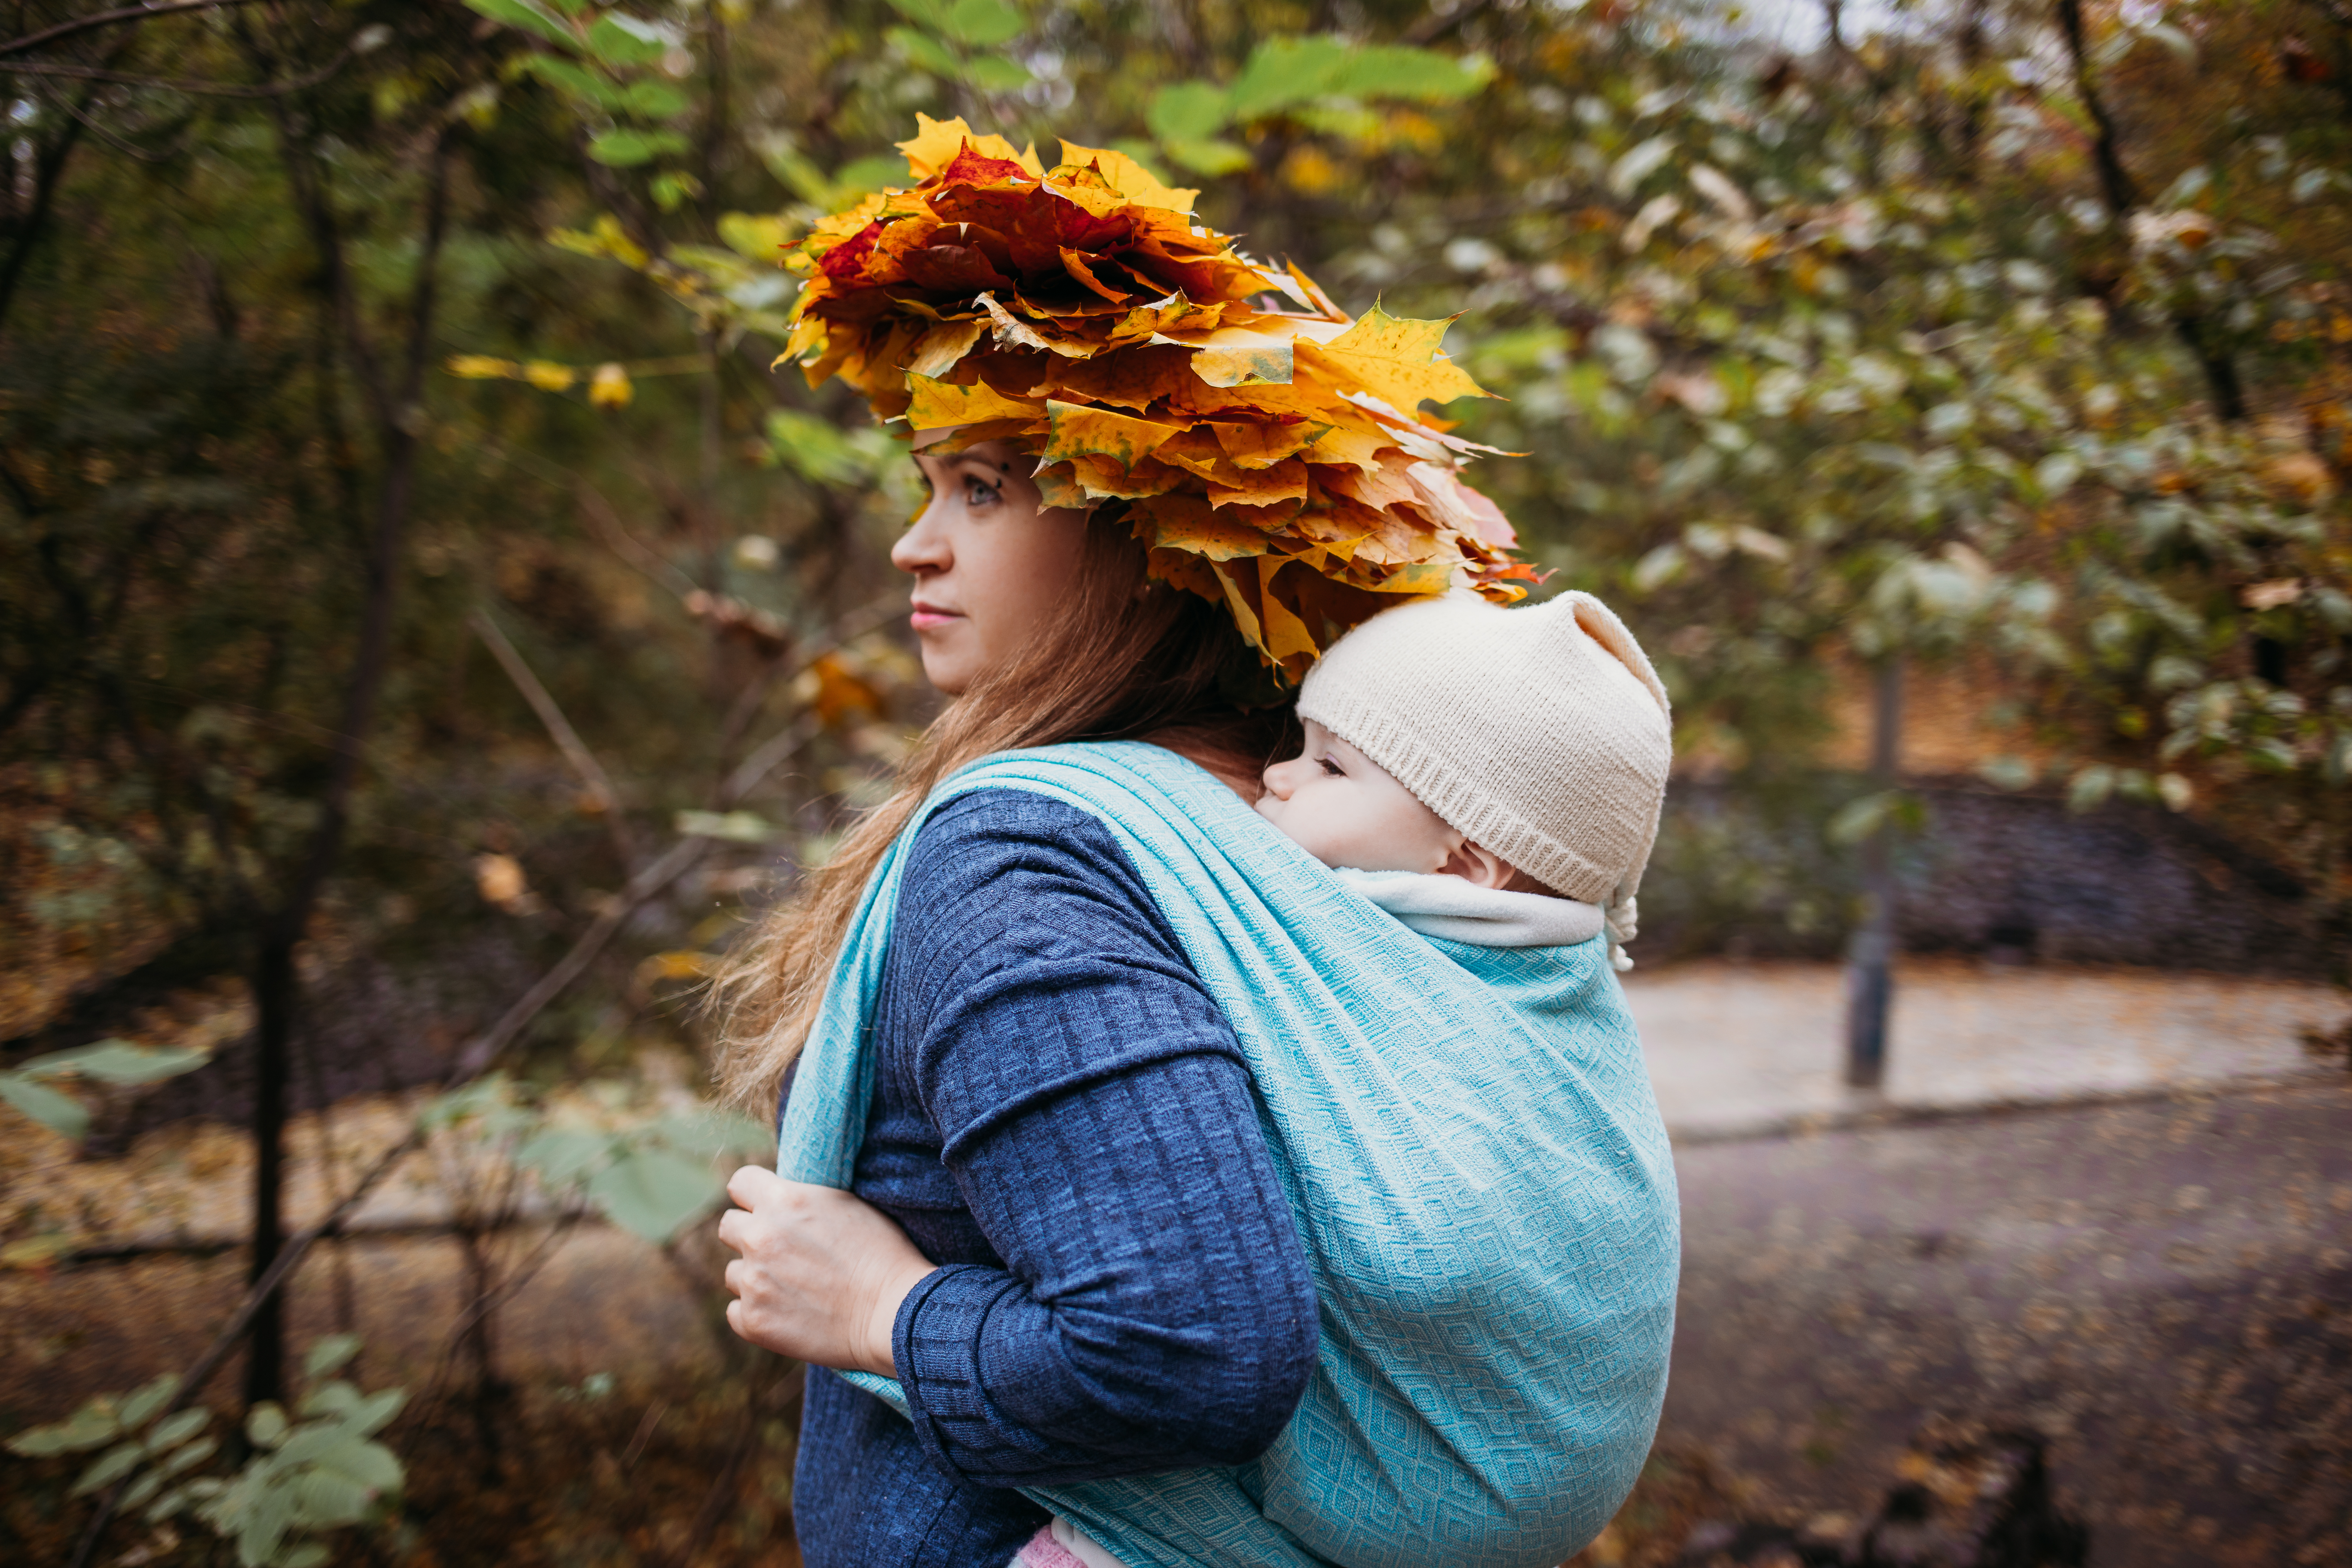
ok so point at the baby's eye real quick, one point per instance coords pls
(1332, 768)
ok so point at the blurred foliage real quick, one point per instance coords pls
(2015, 337)
(298, 1477)
(1951, 341)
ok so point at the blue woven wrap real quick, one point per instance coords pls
(1471, 1153)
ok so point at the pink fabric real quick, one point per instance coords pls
(1043, 1551)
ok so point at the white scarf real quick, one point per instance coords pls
(1453, 910)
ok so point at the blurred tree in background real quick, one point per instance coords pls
(427, 620)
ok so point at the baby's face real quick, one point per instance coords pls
(1344, 809)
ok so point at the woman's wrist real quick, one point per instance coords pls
(875, 1353)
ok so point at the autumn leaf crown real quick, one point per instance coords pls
(1266, 448)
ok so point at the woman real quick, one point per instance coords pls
(1090, 1229)
(1062, 1125)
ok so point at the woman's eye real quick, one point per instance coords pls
(980, 492)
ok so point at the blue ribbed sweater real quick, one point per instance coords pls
(1063, 1122)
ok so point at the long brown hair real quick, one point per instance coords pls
(1128, 657)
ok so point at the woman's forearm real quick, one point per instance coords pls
(1156, 1311)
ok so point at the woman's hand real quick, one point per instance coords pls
(822, 1273)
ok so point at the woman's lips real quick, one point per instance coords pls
(930, 618)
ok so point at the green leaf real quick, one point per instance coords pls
(93, 1426)
(194, 1454)
(309, 1554)
(626, 149)
(735, 826)
(267, 1425)
(2006, 771)
(816, 449)
(925, 51)
(376, 1410)
(708, 1132)
(526, 17)
(1283, 71)
(140, 1490)
(994, 73)
(1421, 75)
(170, 1503)
(173, 1430)
(576, 80)
(983, 23)
(151, 1396)
(1186, 112)
(654, 99)
(114, 1061)
(653, 1193)
(329, 1355)
(263, 1527)
(931, 14)
(757, 238)
(325, 1496)
(563, 1155)
(337, 1398)
(861, 175)
(1213, 157)
(626, 41)
(116, 1464)
(1858, 819)
(2090, 788)
(44, 1105)
(372, 1465)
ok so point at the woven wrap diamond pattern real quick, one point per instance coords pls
(1471, 1150)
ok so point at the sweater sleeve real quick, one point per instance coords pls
(1154, 1309)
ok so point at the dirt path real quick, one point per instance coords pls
(2163, 1287)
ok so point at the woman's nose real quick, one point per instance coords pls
(923, 548)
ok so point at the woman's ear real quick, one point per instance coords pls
(1477, 865)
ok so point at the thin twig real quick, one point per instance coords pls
(176, 84)
(498, 1295)
(109, 18)
(772, 753)
(583, 761)
(632, 548)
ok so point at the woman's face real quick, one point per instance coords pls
(991, 565)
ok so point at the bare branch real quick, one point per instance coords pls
(775, 752)
(175, 84)
(583, 762)
(109, 18)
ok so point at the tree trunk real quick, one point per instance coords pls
(273, 1003)
(1870, 979)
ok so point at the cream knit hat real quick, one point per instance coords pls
(1541, 734)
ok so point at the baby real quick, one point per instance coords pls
(1486, 775)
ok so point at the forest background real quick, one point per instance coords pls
(429, 624)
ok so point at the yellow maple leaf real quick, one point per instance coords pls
(1130, 179)
(939, 404)
(1081, 431)
(1237, 356)
(1395, 359)
(937, 142)
(1189, 523)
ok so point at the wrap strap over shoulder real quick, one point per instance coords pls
(1470, 1149)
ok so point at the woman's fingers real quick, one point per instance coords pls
(753, 1185)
